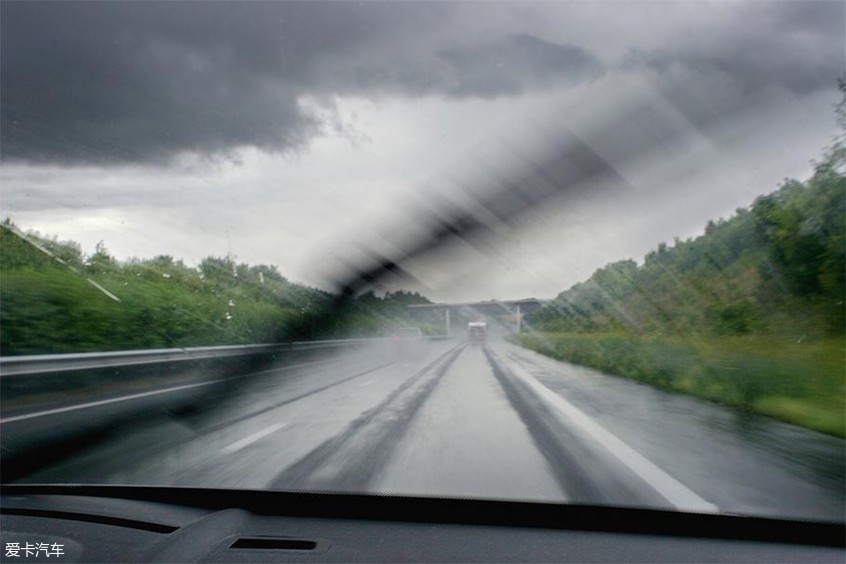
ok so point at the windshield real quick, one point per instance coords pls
(577, 252)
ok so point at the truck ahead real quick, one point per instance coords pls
(477, 331)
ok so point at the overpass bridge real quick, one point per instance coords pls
(510, 312)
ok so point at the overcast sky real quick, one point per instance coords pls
(306, 135)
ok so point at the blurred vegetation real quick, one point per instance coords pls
(49, 302)
(777, 266)
(798, 382)
(750, 314)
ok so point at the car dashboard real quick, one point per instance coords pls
(141, 524)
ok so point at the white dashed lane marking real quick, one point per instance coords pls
(250, 439)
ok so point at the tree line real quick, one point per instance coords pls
(56, 299)
(777, 266)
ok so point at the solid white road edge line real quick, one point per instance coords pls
(671, 489)
(250, 439)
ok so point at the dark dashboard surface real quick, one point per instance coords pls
(109, 524)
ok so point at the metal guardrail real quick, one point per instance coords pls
(51, 363)
(52, 402)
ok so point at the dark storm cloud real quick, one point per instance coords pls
(133, 82)
(508, 65)
(825, 17)
(796, 45)
(137, 82)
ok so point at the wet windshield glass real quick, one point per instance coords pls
(575, 252)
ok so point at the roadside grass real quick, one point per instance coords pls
(799, 381)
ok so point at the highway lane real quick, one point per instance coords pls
(455, 419)
(741, 462)
(469, 425)
(313, 402)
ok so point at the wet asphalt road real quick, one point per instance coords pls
(453, 419)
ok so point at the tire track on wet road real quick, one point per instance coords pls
(276, 405)
(351, 460)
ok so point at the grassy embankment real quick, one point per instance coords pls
(801, 383)
(750, 314)
(50, 306)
